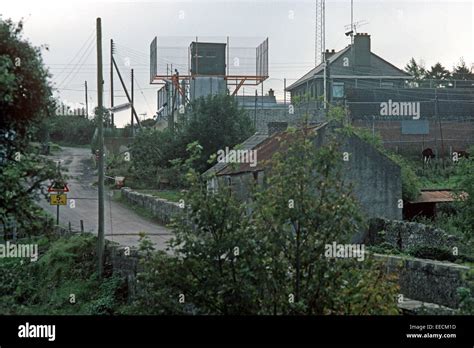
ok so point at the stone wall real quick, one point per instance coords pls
(420, 279)
(125, 262)
(404, 235)
(427, 280)
(161, 209)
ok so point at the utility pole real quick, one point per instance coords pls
(100, 120)
(126, 91)
(87, 105)
(111, 81)
(255, 111)
(57, 206)
(131, 95)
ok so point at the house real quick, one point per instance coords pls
(352, 67)
(384, 99)
(376, 179)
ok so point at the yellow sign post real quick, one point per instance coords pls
(58, 199)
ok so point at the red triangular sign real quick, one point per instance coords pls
(58, 187)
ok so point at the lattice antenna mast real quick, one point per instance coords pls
(320, 32)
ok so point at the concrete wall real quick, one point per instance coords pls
(161, 209)
(376, 179)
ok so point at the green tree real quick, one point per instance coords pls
(24, 102)
(215, 265)
(438, 72)
(417, 70)
(229, 259)
(307, 206)
(215, 122)
(151, 151)
(462, 72)
(70, 130)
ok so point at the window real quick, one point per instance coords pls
(386, 84)
(338, 90)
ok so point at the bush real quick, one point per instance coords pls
(66, 267)
(71, 130)
(213, 122)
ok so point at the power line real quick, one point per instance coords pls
(146, 101)
(88, 52)
(78, 52)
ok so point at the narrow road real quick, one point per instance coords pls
(122, 225)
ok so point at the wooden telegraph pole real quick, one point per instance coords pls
(100, 120)
(111, 80)
(87, 104)
(132, 109)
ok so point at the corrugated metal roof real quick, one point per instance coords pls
(436, 196)
(265, 151)
(248, 144)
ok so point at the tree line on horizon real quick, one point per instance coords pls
(438, 72)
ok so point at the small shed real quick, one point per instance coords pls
(425, 204)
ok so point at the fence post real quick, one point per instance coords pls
(82, 226)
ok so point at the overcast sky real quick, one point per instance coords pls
(428, 30)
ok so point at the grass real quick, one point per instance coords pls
(435, 176)
(65, 270)
(169, 195)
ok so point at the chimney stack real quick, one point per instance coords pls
(361, 49)
(328, 54)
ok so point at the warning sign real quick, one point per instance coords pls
(58, 199)
(58, 187)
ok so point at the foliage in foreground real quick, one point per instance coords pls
(271, 261)
(66, 268)
(24, 102)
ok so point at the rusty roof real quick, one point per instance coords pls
(436, 196)
(265, 151)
